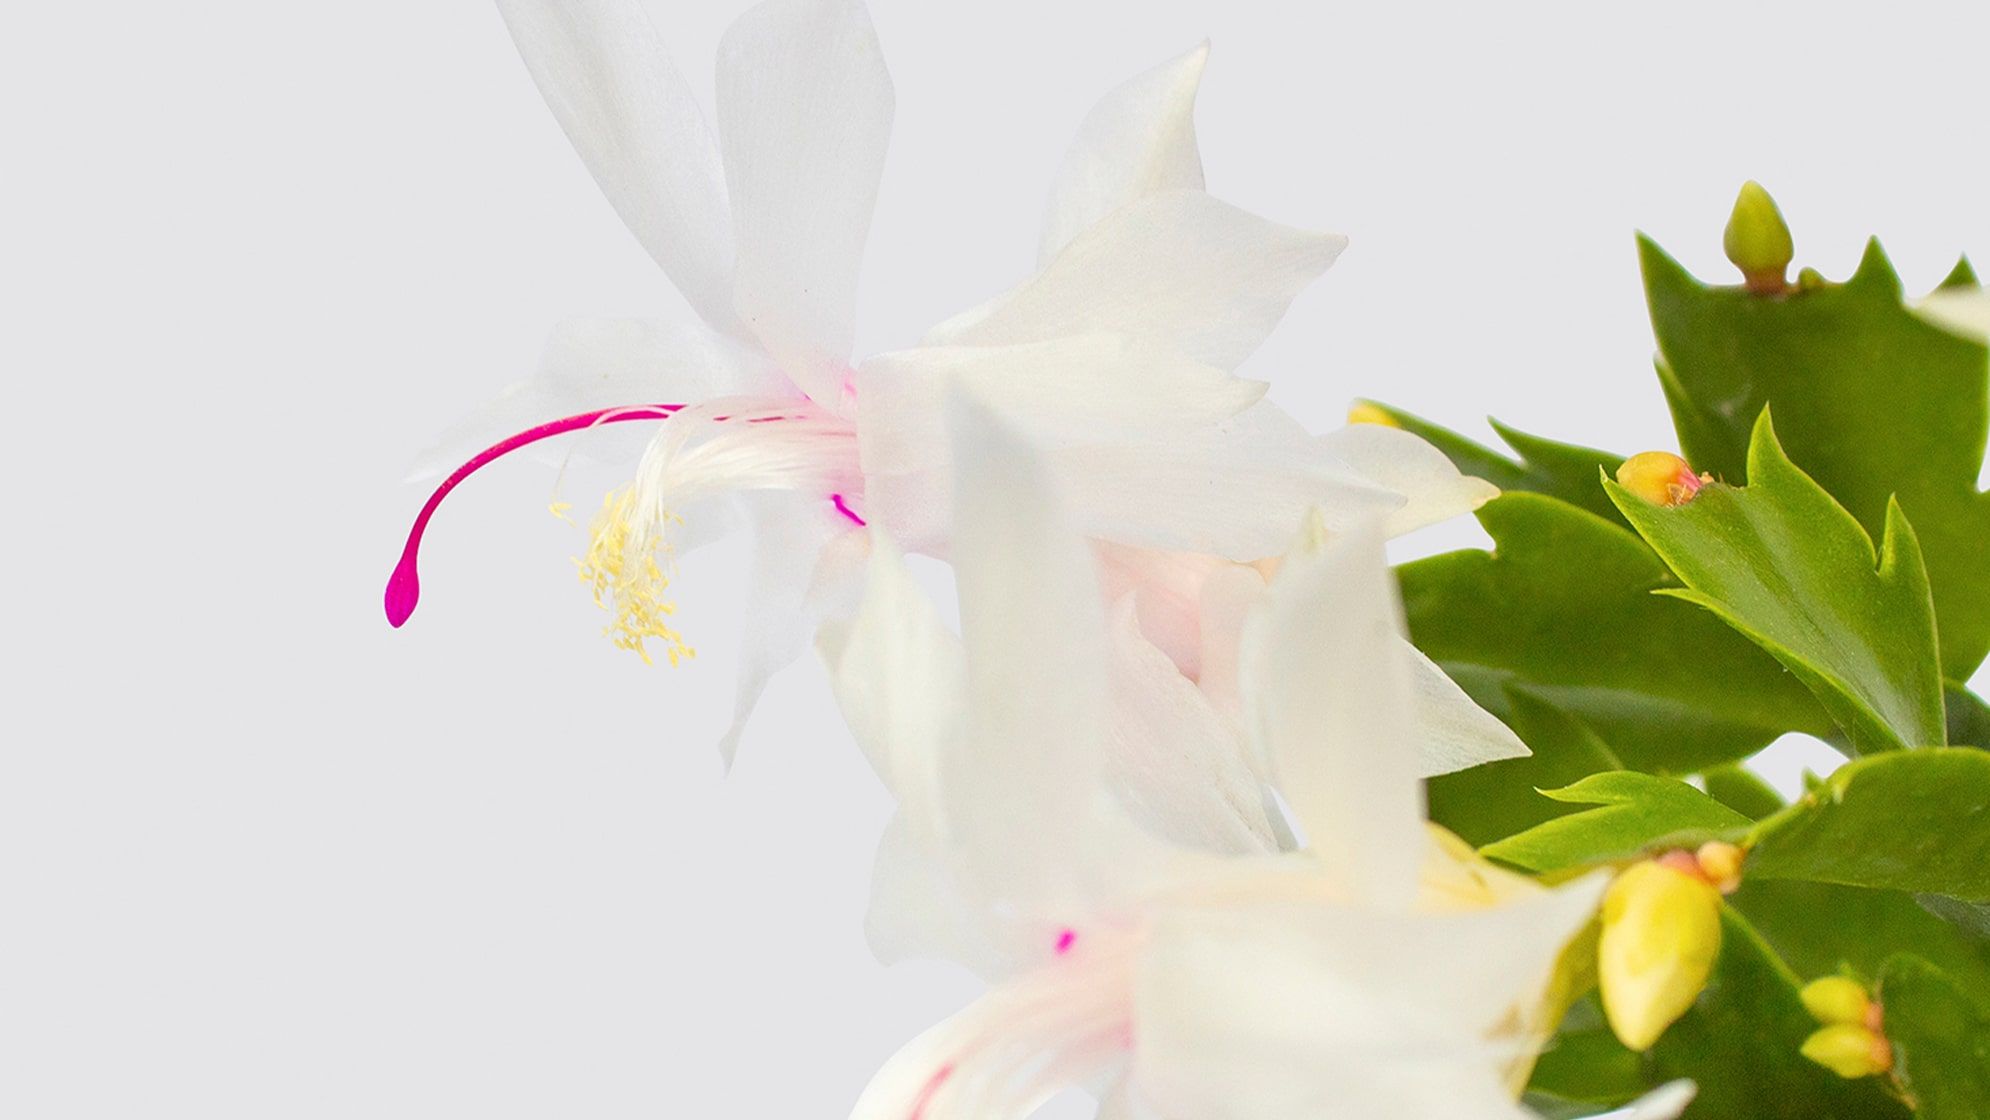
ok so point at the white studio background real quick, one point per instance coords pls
(261, 856)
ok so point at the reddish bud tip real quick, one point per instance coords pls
(1661, 478)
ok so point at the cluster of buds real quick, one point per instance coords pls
(1851, 1043)
(1661, 934)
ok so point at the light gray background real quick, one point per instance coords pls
(261, 856)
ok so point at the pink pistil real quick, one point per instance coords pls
(843, 508)
(1065, 940)
(404, 586)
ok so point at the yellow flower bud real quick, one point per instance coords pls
(1661, 933)
(1660, 477)
(1721, 863)
(1362, 412)
(1849, 1051)
(1758, 240)
(1835, 1000)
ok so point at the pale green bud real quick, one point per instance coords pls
(1758, 240)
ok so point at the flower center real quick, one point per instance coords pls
(404, 585)
(622, 564)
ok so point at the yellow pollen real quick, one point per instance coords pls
(1362, 412)
(621, 565)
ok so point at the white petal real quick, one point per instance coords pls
(1137, 140)
(1025, 793)
(1175, 762)
(900, 678)
(591, 364)
(1228, 601)
(1453, 731)
(920, 909)
(1291, 1011)
(1327, 687)
(739, 444)
(1234, 488)
(806, 560)
(1076, 389)
(1663, 1103)
(1965, 311)
(1080, 391)
(637, 126)
(1122, 1103)
(1013, 1049)
(804, 109)
(1433, 488)
(1177, 270)
(1167, 589)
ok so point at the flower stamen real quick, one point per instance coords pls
(404, 585)
(622, 565)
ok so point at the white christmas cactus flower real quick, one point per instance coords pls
(1116, 357)
(1384, 971)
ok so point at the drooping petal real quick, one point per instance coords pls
(1060, 394)
(1327, 1010)
(900, 678)
(1232, 487)
(638, 128)
(1016, 1047)
(806, 562)
(1433, 488)
(591, 364)
(804, 110)
(1025, 794)
(1327, 690)
(1137, 140)
(1177, 270)
(920, 909)
(1177, 764)
(1453, 732)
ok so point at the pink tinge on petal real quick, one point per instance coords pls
(931, 1087)
(1055, 1026)
(404, 586)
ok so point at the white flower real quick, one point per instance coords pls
(1116, 357)
(1385, 971)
